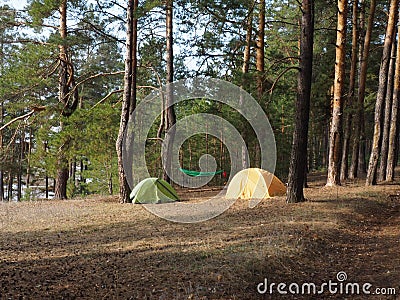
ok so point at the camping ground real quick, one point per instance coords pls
(98, 248)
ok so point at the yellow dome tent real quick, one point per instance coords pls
(255, 183)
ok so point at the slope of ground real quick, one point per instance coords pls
(98, 248)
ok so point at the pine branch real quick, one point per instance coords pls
(25, 41)
(278, 78)
(92, 77)
(102, 32)
(108, 96)
(147, 87)
(25, 116)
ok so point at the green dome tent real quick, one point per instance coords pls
(153, 190)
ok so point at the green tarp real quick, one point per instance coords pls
(153, 190)
(197, 173)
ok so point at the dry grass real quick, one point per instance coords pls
(98, 248)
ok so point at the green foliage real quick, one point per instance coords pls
(42, 9)
(149, 5)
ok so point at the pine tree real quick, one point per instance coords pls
(350, 97)
(358, 149)
(129, 96)
(169, 110)
(299, 146)
(336, 123)
(393, 132)
(383, 75)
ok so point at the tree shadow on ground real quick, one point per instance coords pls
(224, 258)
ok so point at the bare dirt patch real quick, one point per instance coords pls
(98, 248)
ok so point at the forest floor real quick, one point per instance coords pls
(98, 248)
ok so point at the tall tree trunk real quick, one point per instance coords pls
(325, 146)
(362, 164)
(10, 186)
(393, 135)
(247, 47)
(380, 98)
(1, 185)
(19, 183)
(21, 155)
(170, 110)
(45, 146)
(358, 151)
(72, 173)
(1, 122)
(82, 167)
(1, 149)
(60, 188)
(350, 96)
(28, 159)
(70, 102)
(387, 114)
(62, 173)
(297, 168)
(61, 180)
(46, 186)
(336, 123)
(110, 183)
(260, 54)
(360, 156)
(129, 95)
(245, 71)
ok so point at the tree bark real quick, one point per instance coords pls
(360, 156)
(19, 184)
(260, 53)
(20, 160)
(68, 94)
(394, 115)
(60, 188)
(110, 183)
(1, 149)
(169, 110)
(129, 95)
(358, 151)
(70, 102)
(1, 185)
(10, 185)
(28, 159)
(336, 123)
(350, 96)
(383, 75)
(297, 168)
(47, 186)
(245, 71)
(247, 47)
(387, 115)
